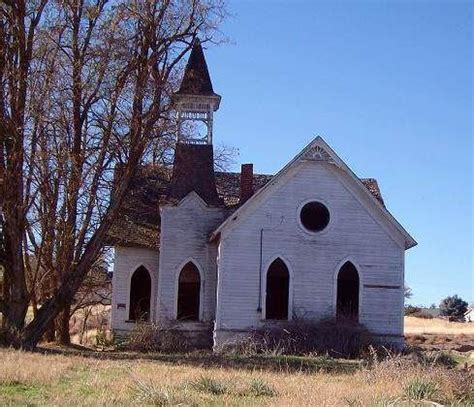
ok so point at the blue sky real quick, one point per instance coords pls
(389, 85)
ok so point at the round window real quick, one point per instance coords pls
(314, 216)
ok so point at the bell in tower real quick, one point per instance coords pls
(195, 101)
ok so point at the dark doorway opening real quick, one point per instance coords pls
(278, 287)
(348, 293)
(189, 288)
(140, 294)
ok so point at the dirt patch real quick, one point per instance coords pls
(459, 343)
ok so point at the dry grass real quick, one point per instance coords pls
(27, 378)
(86, 323)
(440, 335)
(422, 326)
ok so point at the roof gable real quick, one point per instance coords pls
(318, 150)
(191, 200)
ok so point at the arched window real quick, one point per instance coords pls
(348, 292)
(189, 290)
(277, 291)
(140, 294)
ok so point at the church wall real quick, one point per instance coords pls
(126, 261)
(313, 259)
(185, 232)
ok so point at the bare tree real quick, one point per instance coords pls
(86, 88)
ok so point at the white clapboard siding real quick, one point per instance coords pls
(185, 231)
(354, 233)
(126, 261)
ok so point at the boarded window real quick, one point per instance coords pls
(348, 292)
(278, 284)
(189, 287)
(140, 294)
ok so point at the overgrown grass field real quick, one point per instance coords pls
(437, 326)
(205, 379)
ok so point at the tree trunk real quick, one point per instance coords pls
(50, 334)
(62, 323)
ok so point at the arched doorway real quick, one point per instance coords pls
(189, 293)
(140, 294)
(348, 293)
(277, 291)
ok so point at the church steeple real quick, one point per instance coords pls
(195, 100)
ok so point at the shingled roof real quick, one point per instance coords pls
(196, 79)
(139, 221)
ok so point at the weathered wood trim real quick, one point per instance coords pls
(387, 287)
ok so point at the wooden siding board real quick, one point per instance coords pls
(352, 232)
(184, 236)
(126, 261)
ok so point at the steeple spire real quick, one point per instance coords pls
(195, 100)
(196, 79)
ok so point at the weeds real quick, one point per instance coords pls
(298, 337)
(149, 393)
(353, 402)
(420, 389)
(389, 379)
(258, 388)
(209, 385)
(149, 337)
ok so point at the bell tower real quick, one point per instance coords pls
(195, 100)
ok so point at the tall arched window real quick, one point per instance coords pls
(348, 292)
(277, 291)
(189, 292)
(140, 294)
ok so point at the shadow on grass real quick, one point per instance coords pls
(208, 359)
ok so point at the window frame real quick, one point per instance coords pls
(314, 232)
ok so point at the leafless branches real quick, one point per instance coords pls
(86, 87)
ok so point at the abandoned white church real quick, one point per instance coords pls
(218, 254)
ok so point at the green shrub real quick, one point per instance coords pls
(420, 389)
(150, 394)
(411, 309)
(454, 308)
(209, 385)
(258, 388)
